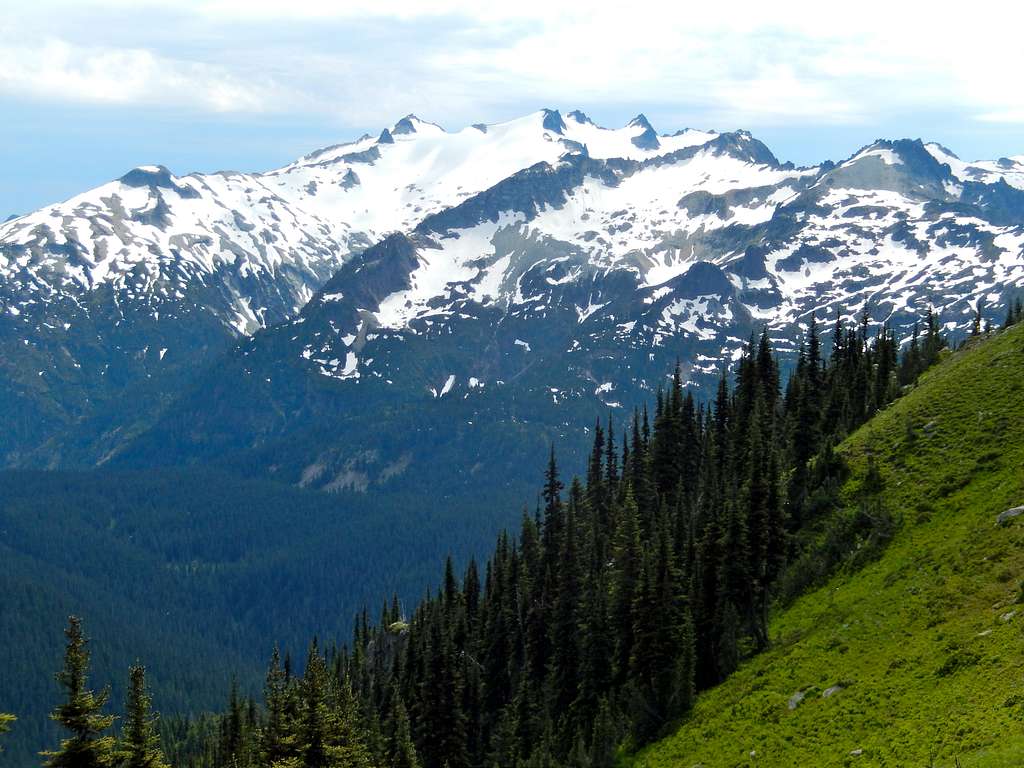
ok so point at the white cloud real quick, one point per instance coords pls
(56, 69)
(370, 60)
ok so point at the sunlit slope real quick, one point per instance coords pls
(927, 642)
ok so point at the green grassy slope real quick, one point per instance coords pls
(927, 641)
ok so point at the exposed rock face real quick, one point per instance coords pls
(1004, 517)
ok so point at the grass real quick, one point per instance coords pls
(926, 641)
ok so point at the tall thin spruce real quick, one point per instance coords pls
(140, 742)
(88, 746)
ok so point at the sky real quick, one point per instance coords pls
(92, 88)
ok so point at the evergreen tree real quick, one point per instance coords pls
(604, 738)
(5, 725)
(565, 616)
(626, 581)
(934, 340)
(1014, 312)
(911, 363)
(140, 745)
(235, 735)
(403, 751)
(277, 739)
(471, 592)
(328, 731)
(81, 713)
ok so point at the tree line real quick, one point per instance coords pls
(595, 625)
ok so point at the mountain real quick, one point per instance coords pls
(571, 288)
(911, 655)
(110, 300)
(477, 246)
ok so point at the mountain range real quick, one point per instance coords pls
(506, 281)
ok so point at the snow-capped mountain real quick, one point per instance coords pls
(139, 281)
(571, 287)
(152, 233)
(688, 250)
(530, 272)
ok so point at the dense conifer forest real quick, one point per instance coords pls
(621, 596)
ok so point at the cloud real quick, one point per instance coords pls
(58, 70)
(1006, 116)
(366, 61)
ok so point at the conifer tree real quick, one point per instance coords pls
(934, 341)
(81, 713)
(277, 739)
(911, 362)
(235, 734)
(5, 725)
(604, 738)
(626, 579)
(140, 744)
(596, 647)
(328, 731)
(1014, 312)
(565, 615)
(471, 592)
(403, 751)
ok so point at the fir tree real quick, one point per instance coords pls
(140, 745)
(934, 340)
(234, 732)
(5, 725)
(565, 616)
(403, 751)
(911, 363)
(604, 737)
(626, 581)
(81, 713)
(277, 739)
(328, 729)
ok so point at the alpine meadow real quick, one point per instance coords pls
(543, 439)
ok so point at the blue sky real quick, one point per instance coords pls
(91, 88)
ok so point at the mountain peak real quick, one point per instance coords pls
(640, 121)
(580, 117)
(906, 166)
(406, 125)
(553, 121)
(385, 137)
(743, 146)
(148, 176)
(156, 177)
(648, 137)
(412, 124)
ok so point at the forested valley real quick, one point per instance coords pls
(594, 626)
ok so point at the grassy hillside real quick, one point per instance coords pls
(917, 658)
